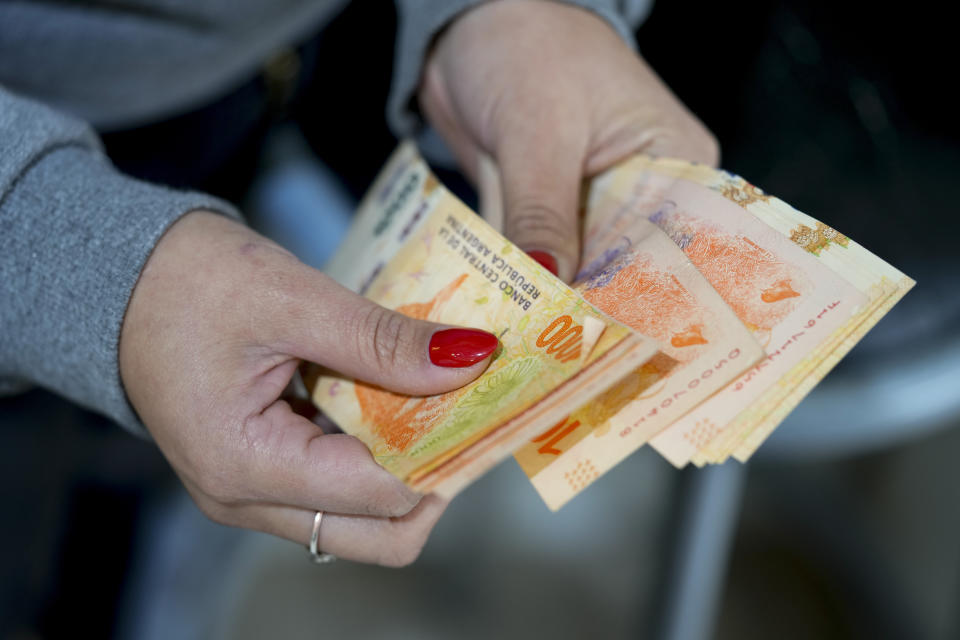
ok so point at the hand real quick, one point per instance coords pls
(215, 330)
(554, 95)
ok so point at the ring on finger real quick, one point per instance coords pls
(319, 557)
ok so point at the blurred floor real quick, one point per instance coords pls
(805, 525)
(498, 565)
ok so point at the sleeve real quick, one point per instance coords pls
(420, 20)
(74, 235)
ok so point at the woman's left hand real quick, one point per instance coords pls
(553, 94)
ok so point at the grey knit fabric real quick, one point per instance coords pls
(74, 236)
(75, 233)
(123, 63)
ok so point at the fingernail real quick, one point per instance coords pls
(461, 347)
(548, 261)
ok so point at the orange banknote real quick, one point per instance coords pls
(417, 249)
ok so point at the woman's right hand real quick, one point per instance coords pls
(215, 329)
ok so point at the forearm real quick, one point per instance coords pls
(75, 236)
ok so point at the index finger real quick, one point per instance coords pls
(294, 463)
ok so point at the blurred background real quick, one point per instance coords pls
(846, 524)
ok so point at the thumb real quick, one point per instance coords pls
(336, 328)
(540, 183)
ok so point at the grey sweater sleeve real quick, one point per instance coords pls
(421, 20)
(74, 236)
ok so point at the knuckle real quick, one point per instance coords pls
(215, 511)
(400, 558)
(383, 336)
(528, 217)
(376, 491)
(683, 136)
(403, 550)
(218, 489)
(388, 501)
(396, 503)
(699, 142)
(708, 147)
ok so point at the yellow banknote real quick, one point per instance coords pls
(417, 249)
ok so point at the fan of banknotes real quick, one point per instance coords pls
(703, 312)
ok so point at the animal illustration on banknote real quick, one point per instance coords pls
(653, 302)
(738, 268)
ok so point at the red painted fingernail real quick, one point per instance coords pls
(548, 261)
(461, 347)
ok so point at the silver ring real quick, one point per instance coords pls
(316, 555)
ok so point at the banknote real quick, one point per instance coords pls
(568, 456)
(704, 310)
(766, 283)
(702, 437)
(790, 302)
(417, 249)
(634, 272)
(880, 282)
